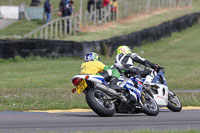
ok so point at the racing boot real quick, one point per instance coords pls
(149, 78)
(113, 85)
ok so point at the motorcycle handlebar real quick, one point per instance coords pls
(161, 67)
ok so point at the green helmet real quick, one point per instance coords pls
(123, 49)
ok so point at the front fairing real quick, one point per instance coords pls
(160, 78)
(133, 85)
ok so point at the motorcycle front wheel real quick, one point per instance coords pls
(100, 103)
(174, 103)
(150, 106)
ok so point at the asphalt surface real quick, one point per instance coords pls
(89, 121)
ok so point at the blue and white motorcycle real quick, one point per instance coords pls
(106, 101)
(162, 94)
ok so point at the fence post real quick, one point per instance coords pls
(109, 13)
(140, 7)
(10, 2)
(102, 14)
(105, 14)
(147, 6)
(44, 17)
(61, 27)
(35, 34)
(75, 21)
(95, 13)
(81, 11)
(153, 5)
(98, 15)
(135, 8)
(86, 17)
(119, 11)
(191, 3)
(56, 29)
(46, 31)
(177, 3)
(162, 3)
(51, 30)
(91, 12)
(29, 35)
(70, 24)
(41, 33)
(65, 25)
(158, 4)
(126, 9)
(131, 7)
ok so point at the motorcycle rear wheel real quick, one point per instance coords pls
(174, 103)
(150, 106)
(100, 103)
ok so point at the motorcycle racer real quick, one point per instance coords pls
(93, 65)
(125, 60)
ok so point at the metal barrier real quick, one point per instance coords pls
(127, 8)
(56, 29)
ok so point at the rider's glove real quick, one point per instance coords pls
(156, 67)
(133, 71)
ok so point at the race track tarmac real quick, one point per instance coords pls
(89, 121)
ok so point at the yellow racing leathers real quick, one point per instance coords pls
(98, 68)
(92, 67)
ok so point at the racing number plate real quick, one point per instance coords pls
(81, 86)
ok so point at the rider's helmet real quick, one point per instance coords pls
(91, 56)
(123, 49)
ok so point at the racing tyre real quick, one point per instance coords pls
(100, 103)
(150, 106)
(174, 103)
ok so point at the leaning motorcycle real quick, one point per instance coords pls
(162, 94)
(105, 101)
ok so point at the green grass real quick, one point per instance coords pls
(17, 29)
(45, 83)
(189, 99)
(42, 99)
(39, 73)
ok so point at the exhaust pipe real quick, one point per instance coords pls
(110, 92)
(107, 90)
